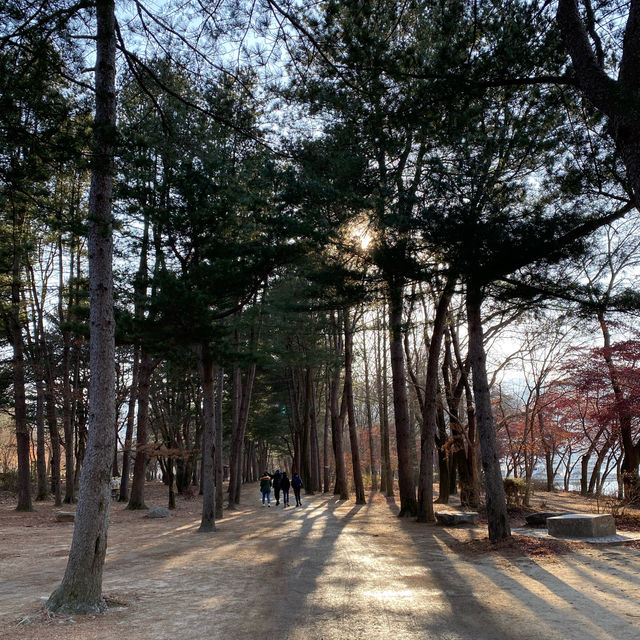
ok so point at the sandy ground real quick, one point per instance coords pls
(327, 570)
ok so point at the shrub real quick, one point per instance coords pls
(514, 490)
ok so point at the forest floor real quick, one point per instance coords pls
(327, 570)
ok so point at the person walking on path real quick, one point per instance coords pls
(296, 483)
(285, 483)
(277, 479)
(265, 488)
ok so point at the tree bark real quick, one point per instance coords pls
(136, 499)
(219, 469)
(348, 392)
(325, 441)
(41, 456)
(305, 434)
(430, 411)
(19, 397)
(406, 477)
(631, 450)
(81, 589)
(337, 421)
(499, 528)
(128, 435)
(52, 422)
(208, 521)
(367, 400)
(242, 389)
(67, 411)
(315, 449)
(386, 471)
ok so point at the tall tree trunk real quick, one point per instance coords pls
(81, 589)
(128, 435)
(464, 454)
(305, 435)
(67, 392)
(386, 476)
(54, 434)
(136, 499)
(315, 449)
(550, 472)
(325, 440)
(406, 477)
(41, 456)
(337, 421)
(208, 521)
(496, 504)
(367, 399)
(430, 412)
(584, 473)
(631, 450)
(19, 397)
(219, 469)
(242, 389)
(446, 469)
(348, 393)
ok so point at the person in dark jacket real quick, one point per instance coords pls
(265, 488)
(296, 483)
(276, 480)
(285, 483)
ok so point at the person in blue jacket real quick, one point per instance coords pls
(296, 483)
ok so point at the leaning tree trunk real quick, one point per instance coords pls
(406, 479)
(496, 504)
(81, 589)
(430, 412)
(617, 99)
(631, 450)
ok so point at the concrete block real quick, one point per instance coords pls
(456, 517)
(539, 518)
(582, 525)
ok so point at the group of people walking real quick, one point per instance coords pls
(280, 482)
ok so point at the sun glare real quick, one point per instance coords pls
(361, 235)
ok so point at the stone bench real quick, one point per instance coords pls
(539, 518)
(582, 525)
(453, 518)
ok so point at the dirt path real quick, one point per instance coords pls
(327, 570)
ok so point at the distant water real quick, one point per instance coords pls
(609, 488)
